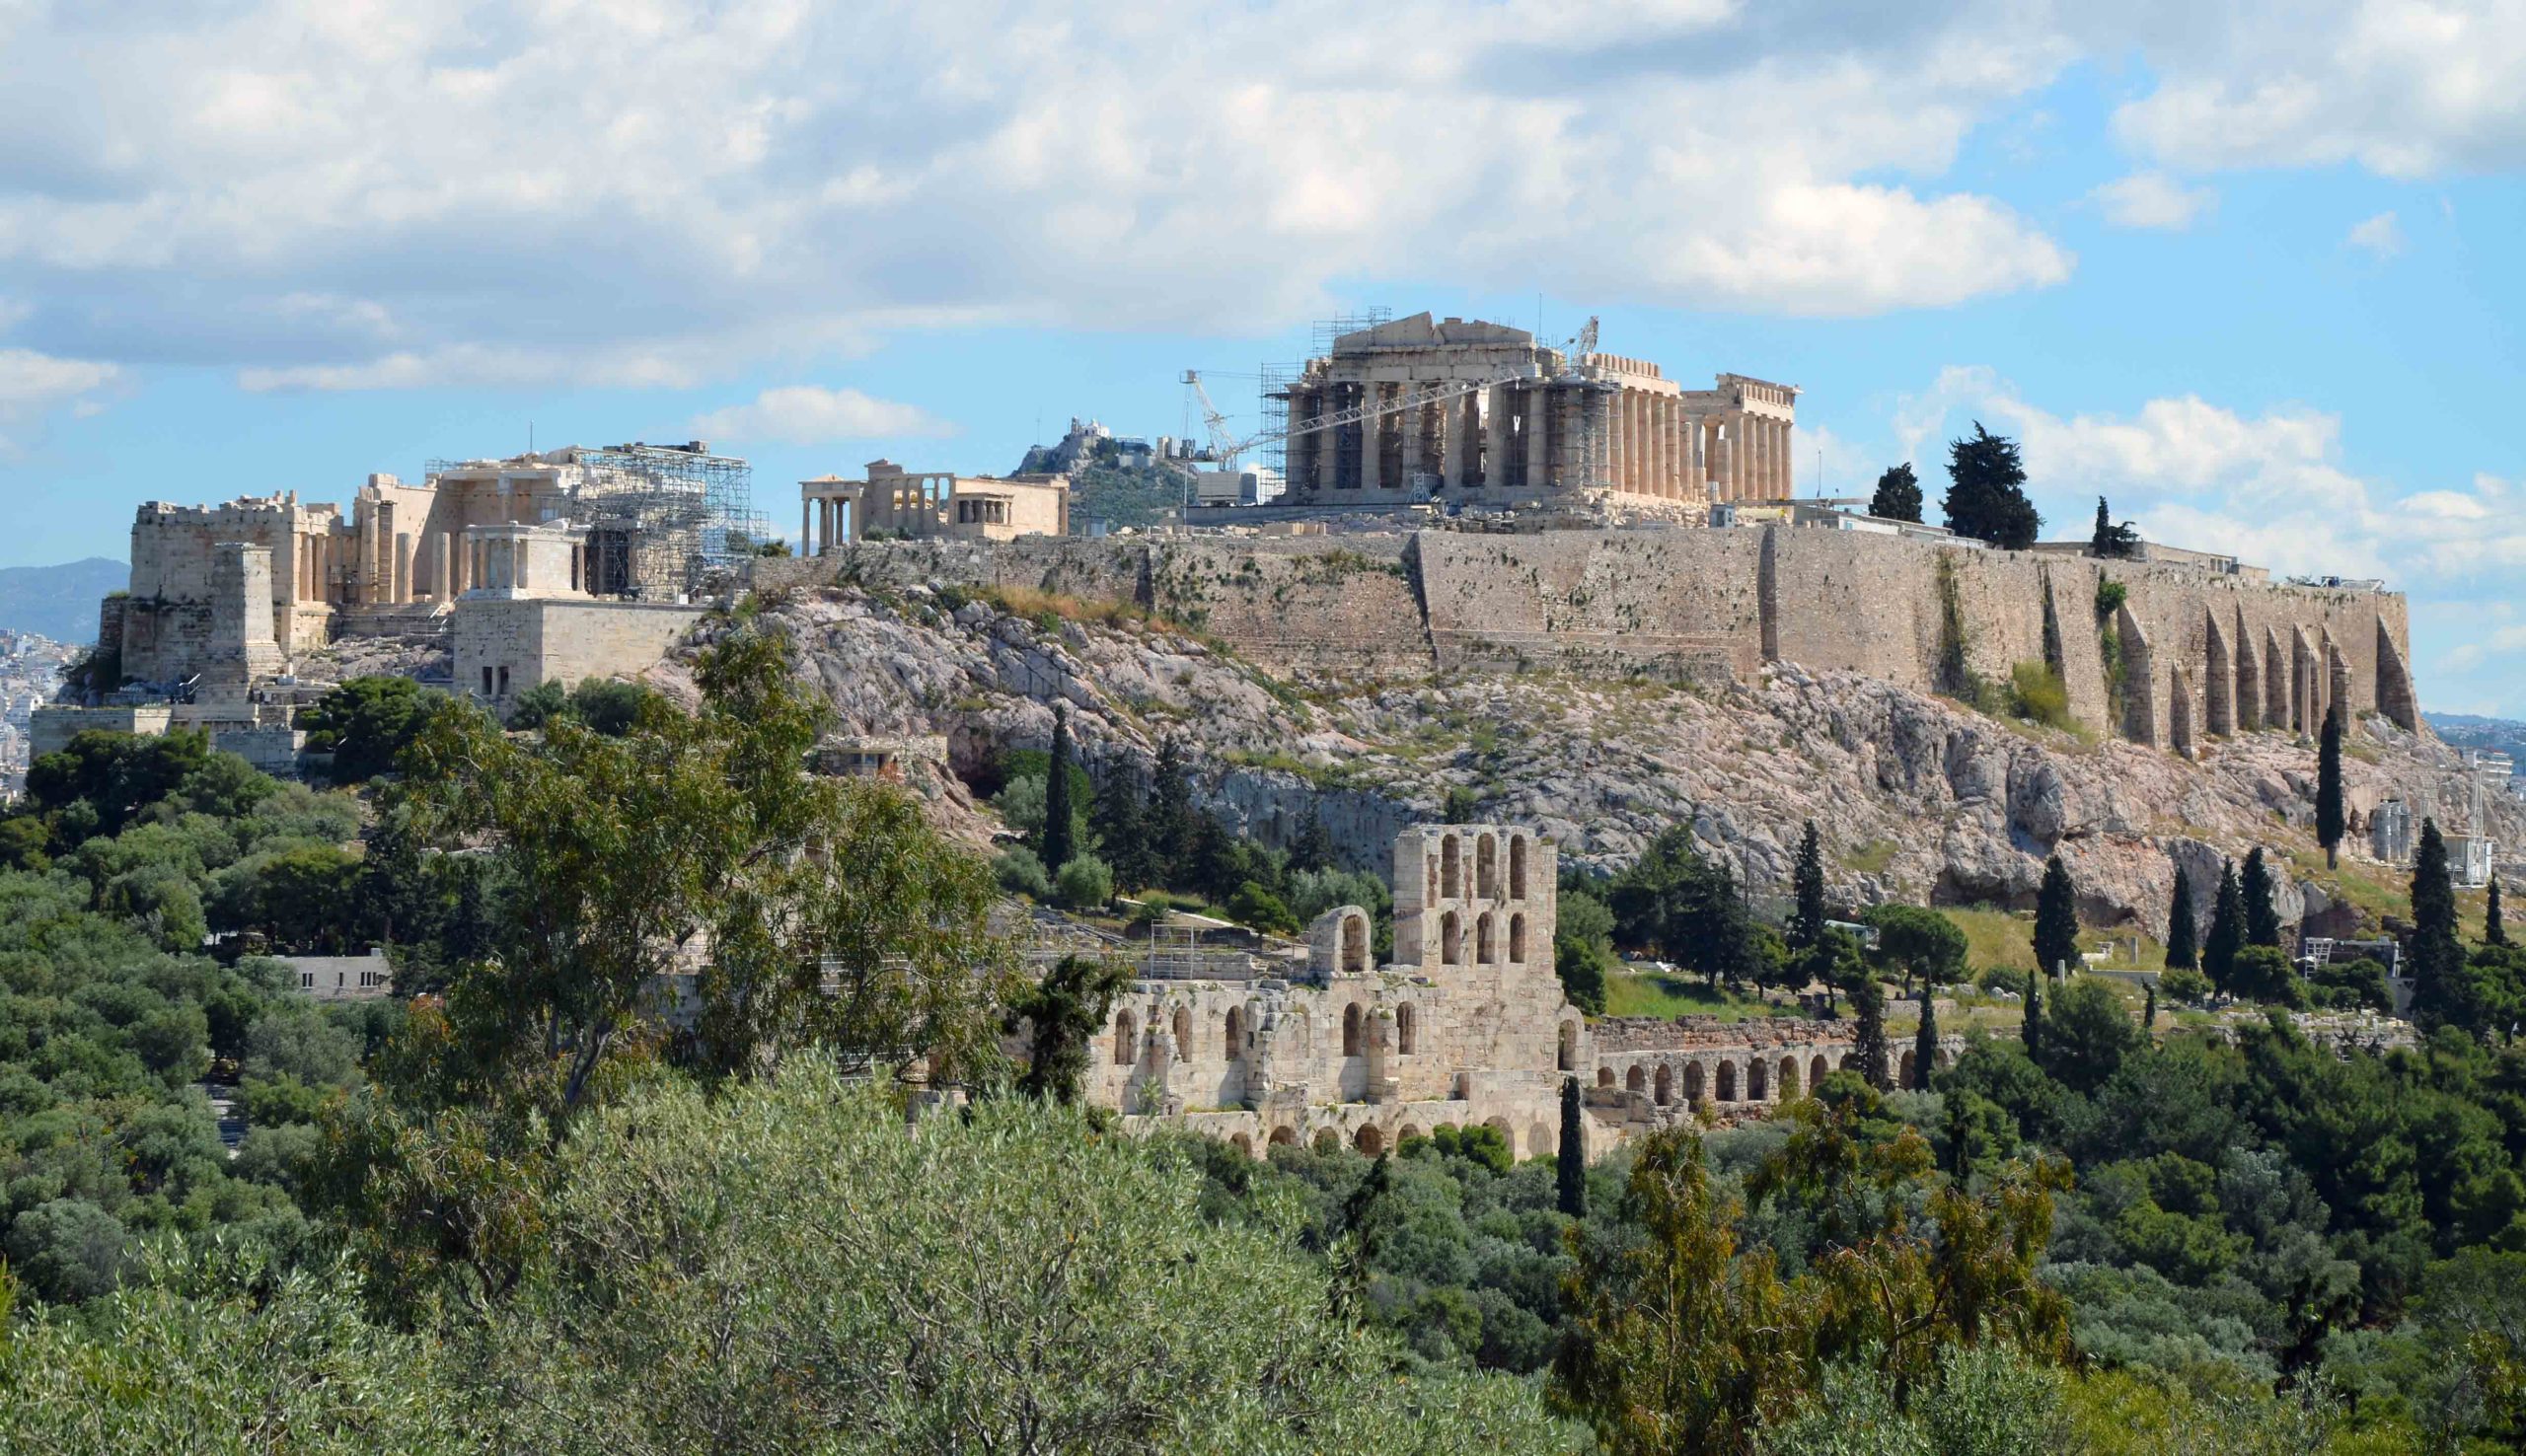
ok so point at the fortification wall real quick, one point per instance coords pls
(1920, 614)
(503, 648)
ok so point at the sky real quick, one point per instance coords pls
(2250, 271)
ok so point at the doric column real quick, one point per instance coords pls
(1495, 437)
(1539, 401)
(1372, 439)
(1296, 457)
(1415, 423)
(1327, 443)
(806, 524)
(1616, 440)
(1464, 463)
(1667, 442)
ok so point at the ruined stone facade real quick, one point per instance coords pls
(1467, 1026)
(1481, 413)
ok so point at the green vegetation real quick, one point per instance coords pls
(1897, 496)
(1649, 994)
(2038, 694)
(1986, 491)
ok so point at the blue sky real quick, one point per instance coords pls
(2250, 271)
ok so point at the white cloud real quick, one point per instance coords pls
(2273, 488)
(367, 195)
(34, 385)
(2404, 88)
(806, 414)
(2380, 236)
(2152, 199)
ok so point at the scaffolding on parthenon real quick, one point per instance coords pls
(664, 521)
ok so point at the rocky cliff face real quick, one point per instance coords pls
(1916, 797)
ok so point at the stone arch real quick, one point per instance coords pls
(1243, 1145)
(1635, 1081)
(1758, 1079)
(1406, 1040)
(1485, 951)
(1126, 1037)
(1604, 1076)
(1788, 1078)
(1517, 939)
(1451, 876)
(1666, 1086)
(1566, 1058)
(1508, 1134)
(1516, 866)
(1843, 1062)
(1541, 1141)
(1183, 1034)
(1407, 1134)
(1352, 1043)
(1904, 1068)
(1727, 1081)
(1284, 1137)
(1817, 1071)
(1692, 1082)
(1486, 868)
(1326, 1139)
(1451, 939)
(1355, 945)
(1233, 1038)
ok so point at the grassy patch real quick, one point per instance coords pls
(1869, 859)
(1648, 994)
(1996, 938)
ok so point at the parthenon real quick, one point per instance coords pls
(1468, 410)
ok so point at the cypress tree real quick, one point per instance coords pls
(1057, 826)
(1868, 1040)
(2437, 959)
(1808, 927)
(1899, 495)
(1987, 495)
(2227, 930)
(1925, 1042)
(2263, 917)
(2493, 931)
(1171, 814)
(2184, 928)
(2056, 920)
(1570, 1160)
(2329, 817)
(2149, 1007)
(1313, 850)
(2100, 539)
(2032, 1033)
(1121, 824)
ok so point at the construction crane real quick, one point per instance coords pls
(1223, 442)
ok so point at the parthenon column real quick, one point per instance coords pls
(1539, 435)
(1300, 457)
(1646, 447)
(1464, 463)
(1615, 443)
(1669, 439)
(1495, 437)
(1372, 440)
(1415, 423)
(1788, 462)
(1327, 443)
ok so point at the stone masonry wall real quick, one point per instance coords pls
(527, 642)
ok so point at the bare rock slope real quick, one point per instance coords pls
(1916, 797)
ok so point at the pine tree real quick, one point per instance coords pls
(2184, 928)
(2439, 983)
(2494, 932)
(2227, 931)
(2032, 1033)
(1057, 844)
(1899, 495)
(2101, 541)
(2329, 817)
(1170, 813)
(1313, 850)
(2056, 920)
(1986, 494)
(1807, 927)
(1570, 1161)
(2263, 917)
(1925, 1042)
(1120, 820)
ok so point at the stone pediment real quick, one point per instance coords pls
(1421, 332)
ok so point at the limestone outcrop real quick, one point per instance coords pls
(1916, 796)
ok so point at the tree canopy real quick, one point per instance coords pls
(1986, 494)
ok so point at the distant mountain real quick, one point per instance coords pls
(2465, 730)
(60, 602)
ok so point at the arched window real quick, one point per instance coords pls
(1355, 945)
(1127, 1036)
(1403, 1031)
(1904, 1070)
(1788, 1077)
(1517, 940)
(1484, 953)
(1817, 1071)
(1728, 1081)
(1284, 1137)
(1486, 868)
(1692, 1082)
(1635, 1080)
(1371, 1141)
(1757, 1080)
(1448, 878)
(1244, 1143)
(1232, 1043)
(1183, 1034)
(1569, 1058)
(1541, 1141)
(1604, 1076)
(1351, 1030)
(1451, 939)
(1666, 1086)
(1326, 1139)
(1516, 866)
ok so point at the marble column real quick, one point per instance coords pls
(1495, 437)
(1371, 441)
(806, 525)
(1615, 441)
(1464, 470)
(1538, 436)
(1415, 423)
(1296, 457)
(1327, 443)
(1667, 440)
(1788, 460)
